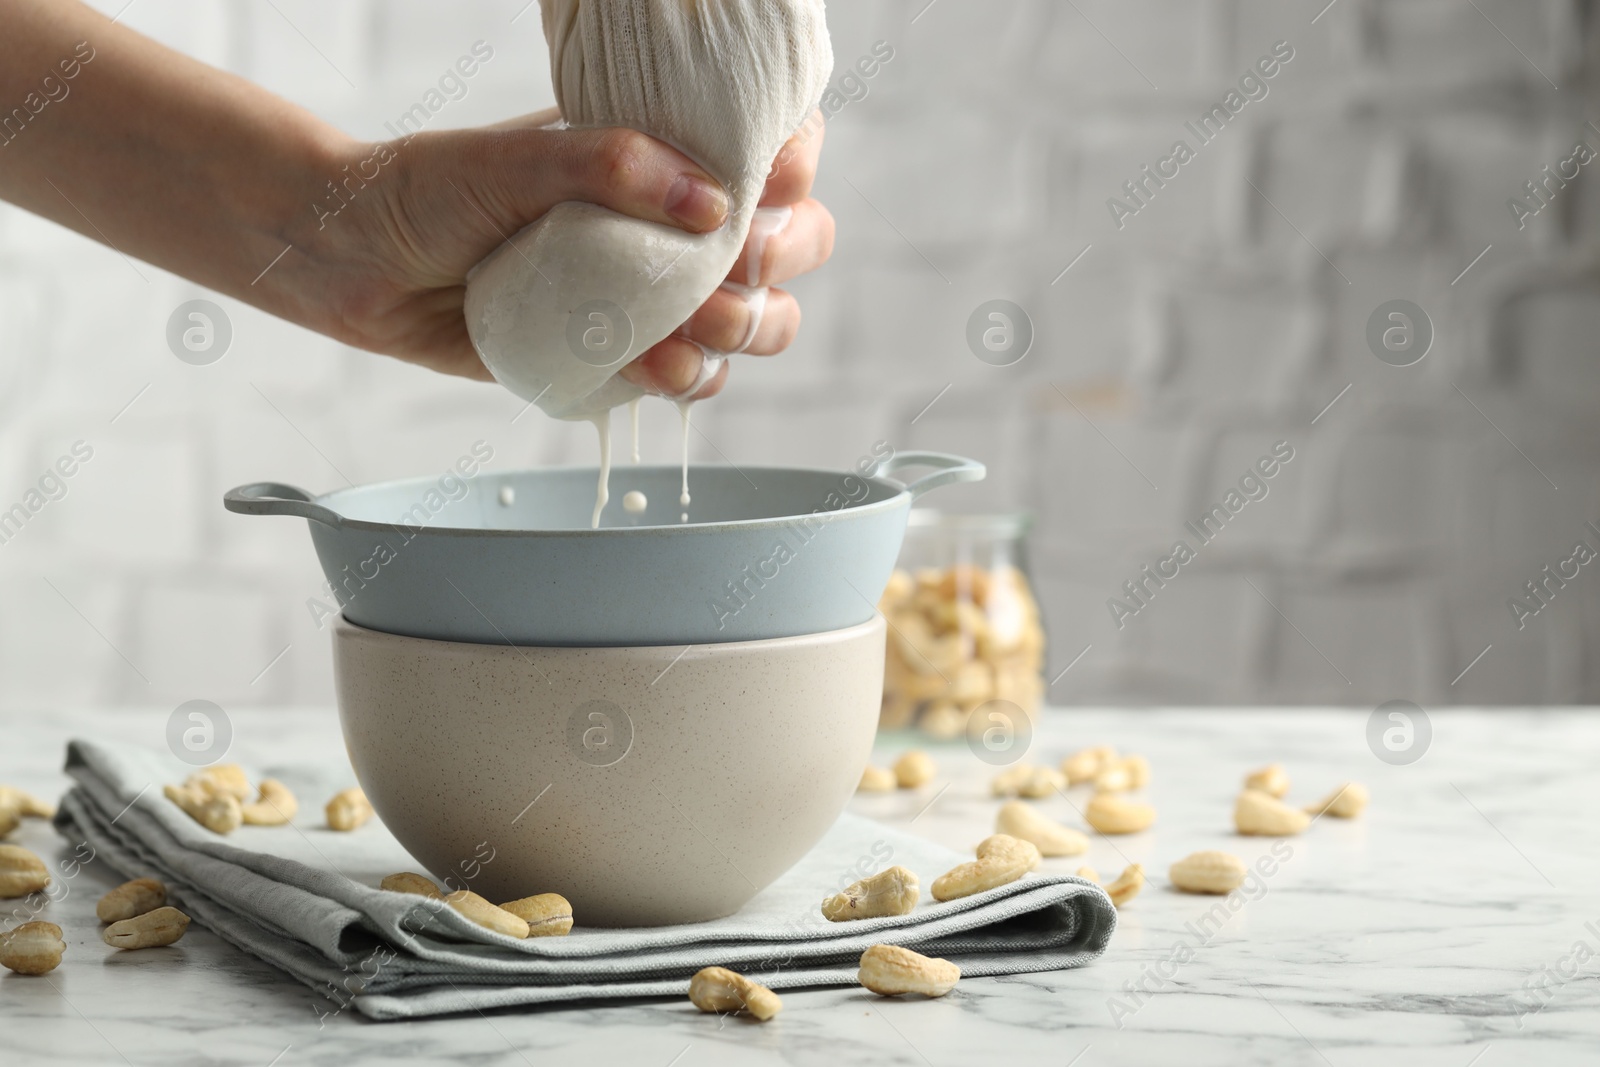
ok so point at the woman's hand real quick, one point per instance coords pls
(217, 180)
(388, 272)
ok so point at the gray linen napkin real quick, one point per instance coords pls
(303, 898)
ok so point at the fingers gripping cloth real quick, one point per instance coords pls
(727, 82)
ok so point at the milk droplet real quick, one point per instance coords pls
(634, 501)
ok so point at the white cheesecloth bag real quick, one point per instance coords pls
(727, 82)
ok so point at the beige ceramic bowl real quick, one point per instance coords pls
(649, 786)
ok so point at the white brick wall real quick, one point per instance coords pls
(1193, 338)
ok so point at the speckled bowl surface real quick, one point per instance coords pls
(648, 785)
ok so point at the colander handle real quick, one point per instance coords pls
(948, 469)
(275, 498)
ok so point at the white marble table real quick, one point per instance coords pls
(1416, 935)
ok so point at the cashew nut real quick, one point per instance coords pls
(1208, 872)
(218, 812)
(547, 915)
(21, 872)
(1024, 822)
(1084, 765)
(892, 891)
(915, 768)
(416, 884)
(153, 929)
(890, 970)
(131, 899)
(1001, 859)
(1346, 802)
(1119, 776)
(275, 807)
(876, 780)
(1126, 886)
(1027, 780)
(1272, 780)
(487, 915)
(1109, 814)
(223, 779)
(348, 810)
(32, 948)
(721, 990)
(24, 804)
(1261, 815)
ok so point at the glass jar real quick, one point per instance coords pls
(964, 627)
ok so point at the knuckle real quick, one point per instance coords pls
(721, 323)
(618, 159)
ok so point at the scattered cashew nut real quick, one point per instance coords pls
(130, 900)
(892, 891)
(416, 884)
(1027, 780)
(275, 806)
(1272, 780)
(877, 780)
(153, 929)
(223, 779)
(1119, 776)
(547, 915)
(24, 804)
(1001, 859)
(21, 872)
(218, 812)
(32, 948)
(1346, 802)
(1110, 814)
(1083, 766)
(721, 990)
(487, 915)
(1126, 886)
(915, 768)
(1208, 872)
(1024, 822)
(1257, 814)
(348, 810)
(890, 970)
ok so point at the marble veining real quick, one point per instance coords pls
(1455, 924)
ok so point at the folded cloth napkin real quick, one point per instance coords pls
(303, 898)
